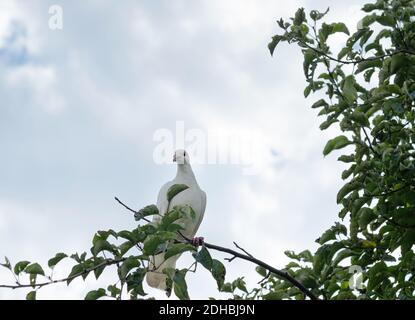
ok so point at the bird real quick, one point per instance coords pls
(194, 197)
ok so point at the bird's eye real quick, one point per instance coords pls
(184, 153)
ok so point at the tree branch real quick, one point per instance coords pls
(279, 273)
(247, 256)
(105, 263)
(357, 60)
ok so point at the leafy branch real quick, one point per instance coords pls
(248, 257)
(149, 239)
(373, 102)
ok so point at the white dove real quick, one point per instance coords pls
(194, 197)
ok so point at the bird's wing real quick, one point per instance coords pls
(202, 210)
(162, 203)
(196, 199)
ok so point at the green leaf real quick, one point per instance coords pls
(114, 291)
(345, 190)
(101, 245)
(135, 282)
(336, 143)
(274, 42)
(398, 61)
(309, 56)
(218, 272)
(299, 17)
(366, 21)
(324, 255)
(316, 15)
(128, 235)
(180, 286)
(169, 218)
(174, 190)
(240, 284)
(360, 118)
(331, 233)
(98, 271)
(204, 258)
(368, 244)
(174, 227)
(6, 263)
(365, 216)
(363, 65)
(261, 271)
(146, 211)
(327, 236)
(305, 276)
(178, 248)
(349, 90)
(393, 88)
(151, 244)
(319, 103)
(328, 123)
(307, 90)
(275, 295)
(20, 266)
(127, 265)
(31, 295)
(343, 52)
(328, 29)
(77, 269)
(386, 20)
(341, 255)
(34, 268)
(371, 6)
(340, 27)
(227, 287)
(95, 294)
(55, 260)
(125, 246)
(292, 265)
(408, 240)
(147, 229)
(346, 158)
(376, 275)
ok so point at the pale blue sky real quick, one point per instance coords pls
(79, 107)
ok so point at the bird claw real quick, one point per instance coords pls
(198, 241)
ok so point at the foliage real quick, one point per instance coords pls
(129, 251)
(368, 90)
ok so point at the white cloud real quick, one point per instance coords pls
(40, 83)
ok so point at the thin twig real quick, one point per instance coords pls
(265, 278)
(230, 259)
(128, 208)
(370, 143)
(242, 249)
(108, 262)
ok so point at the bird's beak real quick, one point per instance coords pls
(174, 158)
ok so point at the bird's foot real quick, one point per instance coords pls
(198, 241)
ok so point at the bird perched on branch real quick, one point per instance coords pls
(192, 196)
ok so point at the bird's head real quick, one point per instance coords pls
(181, 157)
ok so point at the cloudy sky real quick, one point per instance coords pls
(79, 109)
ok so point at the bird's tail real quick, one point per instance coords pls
(157, 279)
